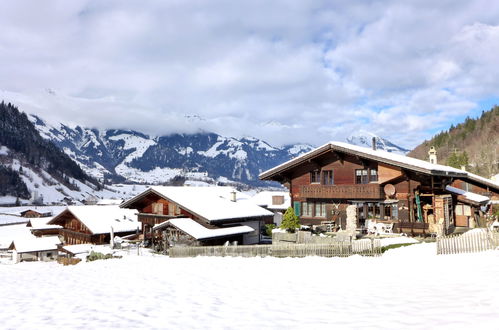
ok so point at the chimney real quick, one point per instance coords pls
(233, 196)
(432, 154)
(374, 143)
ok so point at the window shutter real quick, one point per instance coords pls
(296, 206)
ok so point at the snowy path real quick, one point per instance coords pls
(407, 288)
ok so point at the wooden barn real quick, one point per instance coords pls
(416, 196)
(93, 224)
(210, 207)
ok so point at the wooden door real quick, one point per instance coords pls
(462, 212)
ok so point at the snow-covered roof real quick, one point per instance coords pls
(200, 232)
(381, 156)
(100, 218)
(210, 203)
(109, 201)
(265, 199)
(35, 244)
(468, 195)
(78, 248)
(41, 223)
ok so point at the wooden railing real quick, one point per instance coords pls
(153, 219)
(357, 191)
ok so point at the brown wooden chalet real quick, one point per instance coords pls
(92, 224)
(212, 208)
(386, 187)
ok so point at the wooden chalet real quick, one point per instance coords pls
(36, 213)
(210, 207)
(413, 194)
(92, 224)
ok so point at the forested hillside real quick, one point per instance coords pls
(21, 142)
(473, 143)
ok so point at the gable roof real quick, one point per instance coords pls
(381, 156)
(200, 232)
(35, 244)
(209, 203)
(41, 223)
(100, 218)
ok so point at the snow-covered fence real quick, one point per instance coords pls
(468, 243)
(337, 249)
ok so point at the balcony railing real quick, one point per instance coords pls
(358, 191)
(154, 219)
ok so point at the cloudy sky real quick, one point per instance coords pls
(284, 71)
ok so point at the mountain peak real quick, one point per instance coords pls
(365, 139)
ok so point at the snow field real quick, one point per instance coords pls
(407, 288)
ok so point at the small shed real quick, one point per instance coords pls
(35, 249)
(188, 232)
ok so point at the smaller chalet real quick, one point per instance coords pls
(188, 209)
(187, 232)
(93, 224)
(35, 249)
(40, 227)
(275, 201)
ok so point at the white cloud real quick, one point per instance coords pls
(316, 71)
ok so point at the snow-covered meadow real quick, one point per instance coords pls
(407, 288)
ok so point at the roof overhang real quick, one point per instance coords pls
(331, 147)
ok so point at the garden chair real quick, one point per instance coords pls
(380, 228)
(389, 228)
(371, 227)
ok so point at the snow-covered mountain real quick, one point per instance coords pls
(137, 157)
(365, 139)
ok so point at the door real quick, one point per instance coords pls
(462, 213)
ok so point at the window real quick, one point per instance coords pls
(373, 175)
(373, 210)
(327, 177)
(360, 210)
(320, 210)
(307, 209)
(157, 208)
(361, 176)
(315, 177)
(277, 200)
(173, 209)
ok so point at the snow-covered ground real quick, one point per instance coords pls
(407, 288)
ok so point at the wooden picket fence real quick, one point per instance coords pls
(468, 243)
(366, 247)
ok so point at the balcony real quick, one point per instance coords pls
(154, 219)
(358, 191)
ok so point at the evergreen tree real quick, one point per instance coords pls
(290, 221)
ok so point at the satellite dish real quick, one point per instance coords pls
(389, 190)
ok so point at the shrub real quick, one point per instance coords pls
(268, 229)
(99, 256)
(290, 221)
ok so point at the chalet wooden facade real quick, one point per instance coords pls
(94, 224)
(413, 194)
(210, 207)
